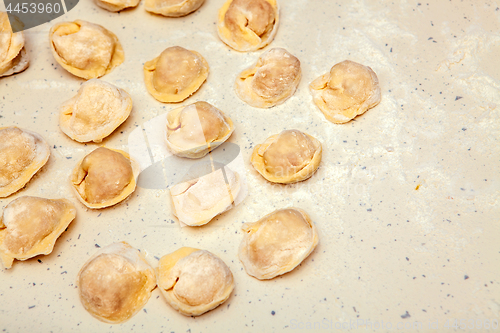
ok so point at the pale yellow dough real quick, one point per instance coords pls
(116, 5)
(277, 243)
(30, 226)
(95, 112)
(175, 75)
(13, 56)
(288, 157)
(115, 283)
(85, 49)
(248, 25)
(22, 154)
(104, 177)
(194, 281)
(173, 8)
(348, 90)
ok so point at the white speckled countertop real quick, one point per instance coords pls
(406, 199)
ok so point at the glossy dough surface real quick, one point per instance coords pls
(116, 5)
(22, 154)
(194, 281)
(30, 226)
(348, 90)
(115, 283)
(13, 56)
(95, 112)
(104, 177)
(198, 201)
(248, 25)
(277, 243)
(85, 49)
(175, 74)
(173, 8)
(288, 157)
(196, 129)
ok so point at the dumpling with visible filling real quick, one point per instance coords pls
(195, 129)
(194, 281)
(104, 177)
(115, 283)
(85, 49)
(116, 5)
(271, 81)
(288, 157)
(22, 154)
(348, 90)
(13, 56)
(175, 74)
(248, 25)
(277, 243)
(95, 112)
(173, 8)
(30, 226)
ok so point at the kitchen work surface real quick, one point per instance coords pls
(405, 200)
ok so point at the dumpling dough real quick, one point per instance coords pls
(348, 90)
(22, 154)
(30, 226)
(288, 157)
(115, 283)
(198, 201)
(85, 49)
(116, 5)
(104, 177)
(173, 8)
(195, 130)
(277, 243)
(175, 75)
(271, 81)
(248, 25)
(194, 281)
(95, 112)
(13, 56)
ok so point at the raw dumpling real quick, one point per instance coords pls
(288, 157)
(277, 243)
(30, 226)
(194, 281)
(116, 5)
(85, 49)
(196, 129)
(13, 56)
(175, 75)
(248, 25)
(95, 112)
(271, 81)
(104, 177)
(198, 201)
(173, 8)
(115, 283)
(22, 154)
(348, 90)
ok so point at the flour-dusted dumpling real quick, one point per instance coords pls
(175, 75)
(173, 8)
(277, 243)
(116, 5)
(348, 90)
(13, 56)
(115, 283)
(104, 177)
(271, 81)
(22, 154)
(194, 281)
(196, 129)
(30, 226)
(288, 157)
(85, 49)
(198, 201)
(95, 112)
(248, 25)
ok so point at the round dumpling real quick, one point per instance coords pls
(13, 56)
(173, 8)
